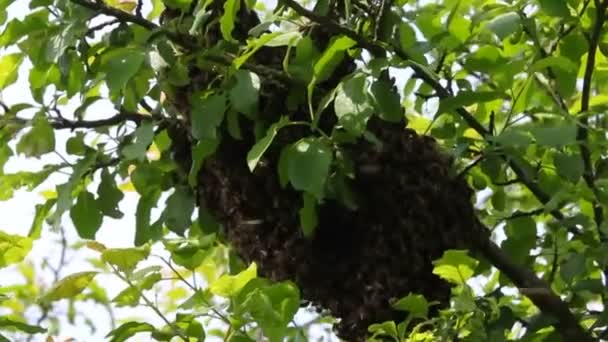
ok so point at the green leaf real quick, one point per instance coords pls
(178, 74)
(130, 297)
(505, 24)
(144, 134)
(146, 178)
(65, 191)
(521, 238)
(76, 145)
(331, 58)
(467, 98)
(556, 62)
(178, 210)
(244, 95)
(256, 152)
(308, 165)
(415, 304)
(455, 266)
(572, 267)
(120, 65)
(128, 330)
(9, 68)
(39, 140)
(569, 166)
(387, 101)
(13, 248)
(555, 8)
(229, 286)
(308, 215)
(109, 195)
(86, 216)
(42, 211)
(125, 259)
(203, 149)
(513, 137)
(207, 114)
(301, 65)
(69, 287)
(557, 136)
(6, 322)
(144, 231)
(271, 305)
(388, 328)
(227, 21)
(353, 105)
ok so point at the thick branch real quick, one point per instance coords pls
(582, 134)
(537, 290)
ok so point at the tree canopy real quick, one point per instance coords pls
(396, 169)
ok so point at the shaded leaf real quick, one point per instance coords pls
(207, 114)
(144, 134)
(120, 65)
(86, 215)
(505, 24)
(128, 330)
(178, 210)
(353, 105)
(308, 165)
(557, 136)
(569, 166)
(244, 95)
(256, 152)
(6, 322)
(39, 140)
(308, 215)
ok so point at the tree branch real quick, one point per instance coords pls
(101, 8)
(582, 134)
(536, 289)
(60, 123)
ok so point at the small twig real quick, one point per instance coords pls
(519, 214)
(138, 8)
(98, 27)
(553, 264)
(150, 304)
(470, 166)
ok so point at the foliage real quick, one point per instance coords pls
(511, 90)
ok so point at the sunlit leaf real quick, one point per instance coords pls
(455, 266)
(69, 286)
(9, 66)
(228, 286)
(125, 259)
(13, 248)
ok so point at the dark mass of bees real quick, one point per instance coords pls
(410, 210)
